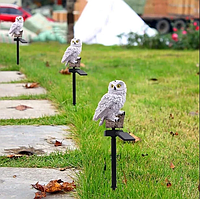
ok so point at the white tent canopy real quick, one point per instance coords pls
(102, 20)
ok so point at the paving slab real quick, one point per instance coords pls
(16, 182)
(34, 109)
(37, 140)
(12, 90)
(8, 76)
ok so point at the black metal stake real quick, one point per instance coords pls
(74, 87)
(74, 71)
(17, 50)
(125, 137)
(18, 39)
(114, 165)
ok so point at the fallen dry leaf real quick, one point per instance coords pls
(39, 187)
(144, 154)
(64, 168)
(137, 139)
(14, 156)
(125, 179)
(54, 186)
(172, 165)
(65, 71)
(57, 143)
(39, 195)
(168, 183)
(172, 133)
(21, 107)
(82, 65)
(33, 85)
(47, 64)
(67, 186)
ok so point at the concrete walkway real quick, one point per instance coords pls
(16, 182)
(35, 109)
(8, 76)
(38, 140)
(13, 90)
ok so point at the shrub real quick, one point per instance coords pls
(179, 39)
(185, 38)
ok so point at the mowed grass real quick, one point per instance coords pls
(153, 110)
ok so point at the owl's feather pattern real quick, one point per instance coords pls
(111, 103)
(108, 108)
(17, 26)
(72, 51)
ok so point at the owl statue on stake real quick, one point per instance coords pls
(16, 28)
(72, 52)
(111, 103)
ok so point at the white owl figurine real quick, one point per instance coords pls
(111, 103)
(72, 52)
(16, 27)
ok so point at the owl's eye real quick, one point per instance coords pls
(118, 85)
(112, 86)
(77, 41)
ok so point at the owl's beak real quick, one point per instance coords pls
(114, 88)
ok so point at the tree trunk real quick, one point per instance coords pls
(70, 20)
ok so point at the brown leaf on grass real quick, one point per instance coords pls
(137, 139)
(39, 195)
(47, 64)
(168, 183)
(144, 154)
(57, 143)
(14, 156)
(64, 168)
(39, 187)
(82, 65)
(33, 85)
(125, 179)
(172, 133)
(172, 165)
(65, 71)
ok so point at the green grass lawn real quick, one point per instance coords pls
(148, 107)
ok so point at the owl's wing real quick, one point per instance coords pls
(105, 103)
(69, 52)
(13, 28)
